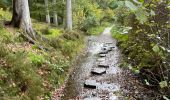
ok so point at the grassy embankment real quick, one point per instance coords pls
(27, 72)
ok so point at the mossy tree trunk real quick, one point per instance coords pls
(21, 18)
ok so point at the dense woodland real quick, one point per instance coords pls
(40, 40)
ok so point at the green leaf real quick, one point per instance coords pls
(141, 1)
(131, 6)
(156, 49)
(163, 84)
(113, 5)
(141, 15)
(152, 13)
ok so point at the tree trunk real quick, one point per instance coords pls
(21, 17)
(69, 15)
(47, 12)
(55, 19)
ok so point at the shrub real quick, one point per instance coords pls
(71, 35)
(36, 59)
(53, 33)
(3, 51)
(21, 78)
(6, 36)
(95, 30)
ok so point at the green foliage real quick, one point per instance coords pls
(131, 6)
(119, 35)
(143, 46)
(156, 49)
(95, 30)
(5, 15)
(3, 51)
(5, 4)
(163, 84)
(53, 33)
(6, 36)
(88, 14)
(36, 59)
(19, 77)
(39, 26)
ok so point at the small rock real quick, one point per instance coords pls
(103, 64)
(109, 43)
(103, 52)
(101, 59)
(113, 98)
(91, 84)
(98, 71)
(102, 55)
(92, 98)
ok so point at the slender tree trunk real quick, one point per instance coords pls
(21, 17)
(47, 12)
(69, 15)
(55, 19)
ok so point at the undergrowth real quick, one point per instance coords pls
(146, 51)
(28, 73)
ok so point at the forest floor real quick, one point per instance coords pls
(96, 75)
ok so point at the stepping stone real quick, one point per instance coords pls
(92, 98)
(98, 71)
(103, 65)
(113, 98)
(102, 55)
(101, 59)
(103, 52)
(91, 84)
(109, 43)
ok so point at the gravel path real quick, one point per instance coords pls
(96, 75)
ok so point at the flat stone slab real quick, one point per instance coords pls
(108, 43)
(98, 71)
(102, 55)
(92, 98)
(101, 59)
(104, 52)
(91, 84)
(113, 98)
(103, 64)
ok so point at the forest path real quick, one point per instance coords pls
(95, 76)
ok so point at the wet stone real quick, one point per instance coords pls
(103, 52)
(102, 55)
(113, 98)
(101, 59)
(109, 43)
(98, 71)
(91, 84)
(111, 46)
(92, 98)
(103, 64)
